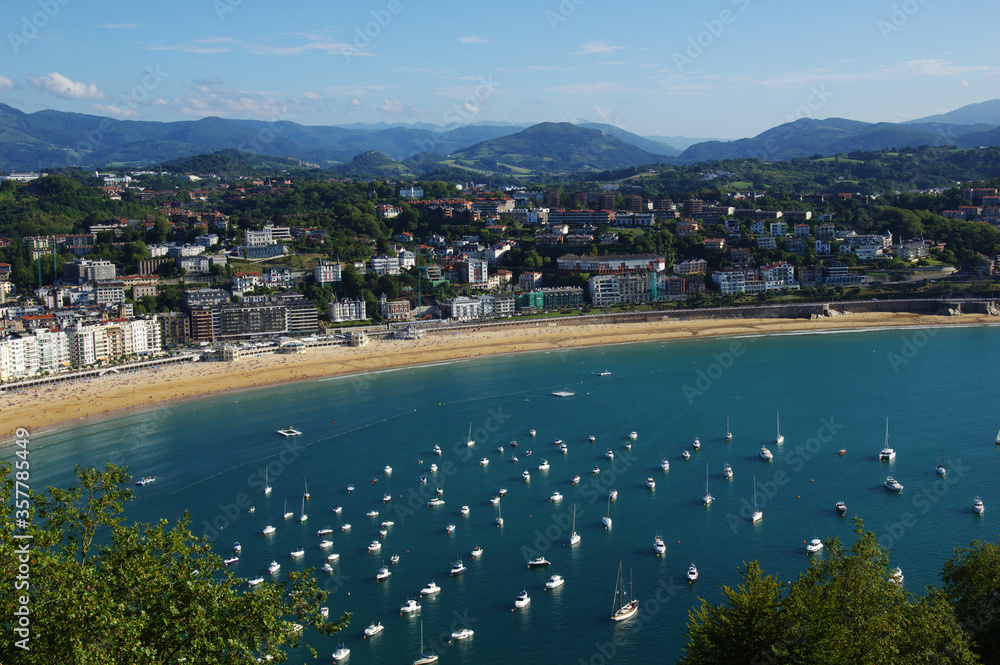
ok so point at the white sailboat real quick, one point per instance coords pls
(621, 609)
(729, 434)
(305, 495)
(287, 512)
(499, 519)
(998, 437)
(469, 442)
(267, 487)
(606, 520)
(780, 439)
(303, 517)
(424, 658)
(707, 499)
(887, 454)
(757, 515)
(574, 537)
(941, 471)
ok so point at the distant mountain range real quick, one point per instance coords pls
(46, 139)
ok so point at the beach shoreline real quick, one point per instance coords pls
(66, 404)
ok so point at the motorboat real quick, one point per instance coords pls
(435, 502)
(592, 438)
(513, 444)
(613, 495)
(526, 475)
(604, 373)
(371, 513)
(323, 544)
(544, 466)
(502, 491)
(513, 459)
(345, 527)
(650, 483)
(477, 552)
(896, 576)
(409, 607)
(338, 510)
(383, 574)
(341, 653)
(664, 464)
(522, 600)
(254, 581)
(597, 470)
(145, 480)
(500, 449)
(977, 505)
(815, 545)
(556, 496)
(251, 509)
(841, 507)
(350, 488)
(462, 634)
(433, 467)
(458, 568)
(374, 628)
(387, 470)
(633, 436)
(533, 432)
(464, 512)
(843, 451)
(563, 448)
(494, 499)
(323, 532)
(892, 484)
(327, 568)
(555, 582)
(386, 498)
(375, 546)
(727, 472)
(450, 528)
(765, 454)
(274, 567)
(697, 444)
(268, 530)
(423, 480)
(887, 454)
(332, 557)
(232, 559)
(237, 547)
(437, 450)
(430, 589)
(692, 573)
(289, 431)
(575, 479)
(621, 608)
(686, 455)
(658, 545)
(628, 445)
(538, 561)
(388, 523)
(610, 454)
(297, 553)
(484, 461)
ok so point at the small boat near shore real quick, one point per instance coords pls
(289, 431)
(145, 480)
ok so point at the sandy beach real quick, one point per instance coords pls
(65, 403)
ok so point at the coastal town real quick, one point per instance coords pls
(198, 271)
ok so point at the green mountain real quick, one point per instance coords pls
(552, 147)
(987, 112)
(232, 162)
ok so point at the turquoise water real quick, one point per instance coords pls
(833, 391)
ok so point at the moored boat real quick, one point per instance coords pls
(892, 484)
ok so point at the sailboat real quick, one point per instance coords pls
(499, 519)
(287, 512)
(267, 488)
(622, 610)
(707, 499)
(424, 658)
(887, 454)
(305, 495)
(606, 520)
(998, 437)
(469, 442)
(757, 515)
(729, 434)
(574, 537)
(780, 439)
(303, 517)
(941, 471)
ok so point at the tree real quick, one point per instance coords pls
(106, 591)
(971, 582)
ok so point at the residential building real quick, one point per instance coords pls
(715, 244)
(347, 310)
(328, 273)
(412, 192)
(604, 291)
(302, 315)
(529, 281)
(766, 242)
(246, 281)
(277, 277)
(394, 310)
(110, 293)
(250, 320)
(562, 297)
(385, 265)
(474, 272)
(603, 265)
(691, 266)
(496, 306)
(778, 228)
(85, 270)
(462, 308)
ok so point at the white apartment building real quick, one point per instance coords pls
(348, 310)
(604, 290)
(328, 273)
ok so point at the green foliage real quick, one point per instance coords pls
(971, 582)
(843, 609)
(110, 592)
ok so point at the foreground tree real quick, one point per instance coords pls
(104, 591)
(972, 584)
(845, 608)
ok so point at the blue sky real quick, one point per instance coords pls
(725, 68)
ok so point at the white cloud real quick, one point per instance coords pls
(595, 88)
(397, 108)
(908, 69)
(112, 110)
(59, 85)
(473, 39)
(6, 83)
(211, 98)
(598, 47)
(120, 26)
